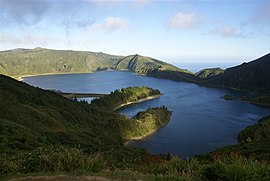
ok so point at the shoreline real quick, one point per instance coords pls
(138, 138)
(138, 101)
(126, 144)
(257, 103)
(135, 102)
(20, 78)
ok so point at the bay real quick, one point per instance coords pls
(201, 120)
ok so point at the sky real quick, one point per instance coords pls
(172, 30)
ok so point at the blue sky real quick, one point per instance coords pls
(194, 30)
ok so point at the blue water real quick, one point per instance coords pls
(195, 66)
(201, 120)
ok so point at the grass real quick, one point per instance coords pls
(43, 132)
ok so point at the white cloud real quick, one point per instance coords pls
(110, 24)
(229, 32)
(27, 12)
(135, 3)
(183, 21)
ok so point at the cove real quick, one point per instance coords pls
(201, 120)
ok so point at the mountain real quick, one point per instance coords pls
(141, 64)
(252, 76)
(210, 72)
(20, 62)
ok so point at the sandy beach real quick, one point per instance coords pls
(138, 101)
(20, 78)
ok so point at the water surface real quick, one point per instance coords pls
(201, 120)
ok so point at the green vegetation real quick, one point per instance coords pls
(20, 62)
(229, 97)
(142, 65)
(124, 96)
(43, 132)
(145, 123)
(207, 73)
(38, 122)
(257, 99)
(257, 132)
(253, 76)
(32, 117)
(254, 144)
(173, 75)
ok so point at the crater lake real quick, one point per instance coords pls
(201, 120)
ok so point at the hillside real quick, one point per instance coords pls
(210, 72)
(43, 132)
(39, 122)
(33, 117)
(257, 132)
(155, 68)
(252, 76)
(142, 65)
(20, 62)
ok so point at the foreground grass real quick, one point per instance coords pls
(71, 161)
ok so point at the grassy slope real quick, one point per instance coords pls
(155, 68)
(253, 76)
(20, 62)
(210, 72)
(141, 64)
(39, 61)
(257, 132)
(32, 117)
(63, 135)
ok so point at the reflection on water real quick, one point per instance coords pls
(201, 120)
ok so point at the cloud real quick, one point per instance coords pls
(184, 21)
(27, 12)
(7, 38)
(229, 32)
(135, 3)
(110, 24)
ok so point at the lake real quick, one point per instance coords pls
(201, 120)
